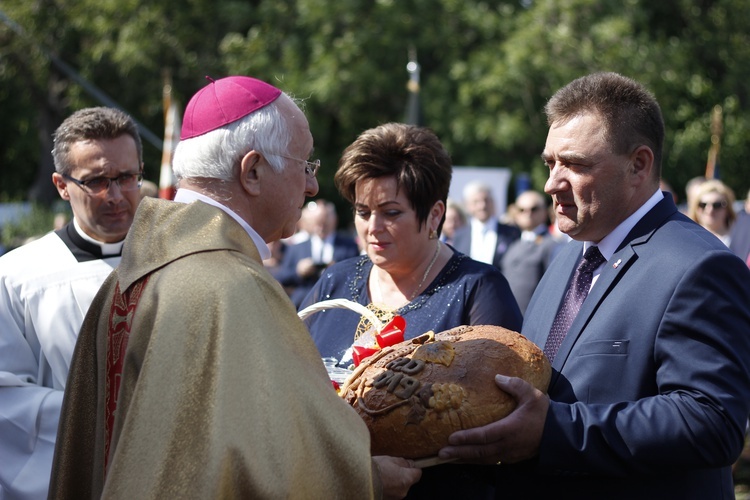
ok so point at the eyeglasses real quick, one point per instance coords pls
(311, 167)
(716, 205)
(530, 209)
(100, 185)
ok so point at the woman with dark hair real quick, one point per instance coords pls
(397, 178)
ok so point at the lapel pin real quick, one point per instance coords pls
(614, 266)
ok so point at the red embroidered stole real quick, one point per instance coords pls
(118, 333)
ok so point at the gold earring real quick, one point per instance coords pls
(433, 234)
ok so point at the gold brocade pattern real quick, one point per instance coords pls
(383, 313)
(205, 361)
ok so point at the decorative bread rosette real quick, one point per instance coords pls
(414, 394)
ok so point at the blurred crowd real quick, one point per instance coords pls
(521, 241)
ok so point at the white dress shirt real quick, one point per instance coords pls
(483, 240)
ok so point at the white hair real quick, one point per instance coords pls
(474, 187)
(216, 154)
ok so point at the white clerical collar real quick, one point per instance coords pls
(610, 243)
(188, 196)
(107, 248)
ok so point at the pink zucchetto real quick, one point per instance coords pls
(224, 101)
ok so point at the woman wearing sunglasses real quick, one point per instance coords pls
(712, 208)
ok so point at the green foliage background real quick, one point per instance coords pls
(33, 225)
(487, 68)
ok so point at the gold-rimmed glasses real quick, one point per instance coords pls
(311, 166)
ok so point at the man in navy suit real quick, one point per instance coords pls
(484, 239)
(650, 391)
(304, 262)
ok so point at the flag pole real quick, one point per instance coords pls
(712, 165)
(167, 181)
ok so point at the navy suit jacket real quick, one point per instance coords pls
(343, 248)
(505, 236)
(650, 389)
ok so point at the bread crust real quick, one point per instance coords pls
(413, 395)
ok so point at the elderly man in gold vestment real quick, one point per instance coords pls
(193, 376)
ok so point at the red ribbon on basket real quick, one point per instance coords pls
(392, 333)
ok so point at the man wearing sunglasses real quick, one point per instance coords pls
(46, 287)
(528, 257)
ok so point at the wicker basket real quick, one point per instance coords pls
(337, 374)
(342, 304)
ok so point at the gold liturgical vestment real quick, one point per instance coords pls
(193, 370)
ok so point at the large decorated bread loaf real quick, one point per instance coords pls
(414, 394)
